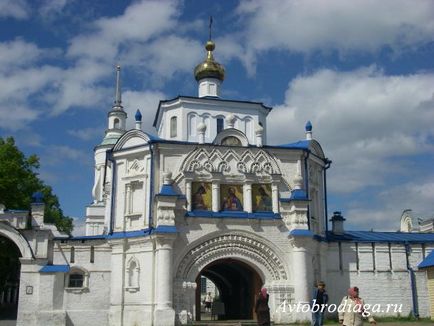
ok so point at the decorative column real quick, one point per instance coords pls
(215, 195)
(259, 132)
(247, 194)
(164, 312)
(188, 193)
(201, 129)
(230, 121)
(275, 197)
(128, 198)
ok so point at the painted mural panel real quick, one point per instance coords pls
(231, 197)
(261, 198)
(201, 198)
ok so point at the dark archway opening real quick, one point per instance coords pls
(238, 285)
(9, 278)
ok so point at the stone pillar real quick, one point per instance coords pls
(215, 196)
(275, 197)
(302, 267)
(247, 194)
(188, 194)
(164, 312)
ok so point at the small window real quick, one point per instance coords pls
(116, 123)
(76, 280)
(203, 285)
(173, 127)
(72, 258)
(220, 124)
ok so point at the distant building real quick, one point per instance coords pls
(206, 196)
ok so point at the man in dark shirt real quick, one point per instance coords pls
(319, 302)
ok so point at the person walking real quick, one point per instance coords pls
(354, 311)
(262, 309)
(319, 302)
(208, 302)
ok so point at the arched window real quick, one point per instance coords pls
(220, 124)
(173, 127)
(132, 272)
(116, 123)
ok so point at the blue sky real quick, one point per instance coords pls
(361, 71)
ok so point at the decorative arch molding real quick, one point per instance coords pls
(12, 234)
(231, 132)
(242, 246)
(316, 148)
(132, 138)
(230, 161)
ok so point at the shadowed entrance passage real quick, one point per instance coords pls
(238, 285)
(9, 278)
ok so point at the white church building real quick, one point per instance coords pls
(206, 196)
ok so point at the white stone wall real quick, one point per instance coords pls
(384, 285)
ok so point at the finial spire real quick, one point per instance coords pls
(210, 27)
(118, 95)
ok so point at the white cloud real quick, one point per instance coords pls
(52, 7)
(18, 9)
(139, 23)
(28, 53)
(416, 195)
(147, 103)
(358, 25)
(363, 119)
(87, 133)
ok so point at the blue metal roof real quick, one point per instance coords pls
(167, 190)
(368, 236)
(428, 261)
(296, 195)
(54, 269)
(301, 144)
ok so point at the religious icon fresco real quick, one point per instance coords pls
(231, 197)
(201, 198)
(261, 198)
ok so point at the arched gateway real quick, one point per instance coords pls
(238, 263)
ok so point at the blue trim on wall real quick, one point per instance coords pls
(54, 269)
(234, 214)
(165, 229)
(130, 234)
(301, 233)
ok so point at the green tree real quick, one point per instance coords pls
(19, 180)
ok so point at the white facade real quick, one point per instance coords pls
(146, 245)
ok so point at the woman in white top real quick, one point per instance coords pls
(353, 310)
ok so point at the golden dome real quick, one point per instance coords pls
(209, 68)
